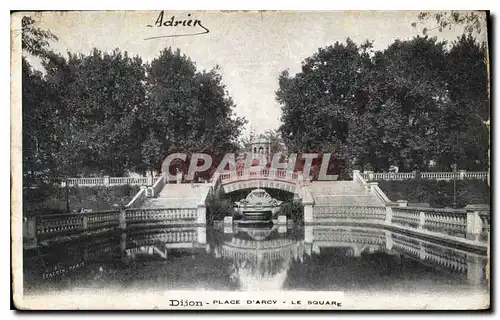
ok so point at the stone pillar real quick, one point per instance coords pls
(422, 252)
(123, 242)
(371, 176)
(201, 233)
(461, 174)
(475, 271)
(282, 219)
(422, 220)
(308, 234)
(402, 203)
(388, 215)
(474, 225)
(150, 181)
(106, 180)
(308, 213)
(389, 243)
(122, 222)
(202, 214)
(29, 229)
(85, 222)
(228, 224)
(228, 221)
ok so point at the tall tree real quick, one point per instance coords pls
(189, 111)
(98, 98)
(407, 105)
(38, 145)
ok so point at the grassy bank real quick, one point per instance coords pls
(437, 193)
(49, 199)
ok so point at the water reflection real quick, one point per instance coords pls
(254, 258)
(260, 256)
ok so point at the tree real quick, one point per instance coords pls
(470, 21)
(34, 40)
(189, 111)
(97, 99)
(38, 145)
(413, 96)
(320, 104)
(246, 141)
(415, 102)
(274, 137)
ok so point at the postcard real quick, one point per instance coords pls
(250, 160)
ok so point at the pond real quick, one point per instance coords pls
(255, 258)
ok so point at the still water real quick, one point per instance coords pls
(313, 258)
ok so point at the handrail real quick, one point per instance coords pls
(137, 199)
(158, 185)
(446, 175)
(259, 173)
(108, 181)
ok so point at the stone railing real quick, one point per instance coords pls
(160, 216)
(260, 173)
(446, 176)
(158, 186)
(471, 223)
(50, 226)
(371, 187)
(172, 236)
(348, 213)
(109, 181)
(366, 236)
(138, 199)
(59, 226)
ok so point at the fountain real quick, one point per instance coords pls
(258, 206)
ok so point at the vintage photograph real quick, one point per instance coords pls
(243, 160)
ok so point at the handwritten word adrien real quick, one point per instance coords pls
(173, 22)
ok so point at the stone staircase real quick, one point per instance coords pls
(342, 193)
(179, 196)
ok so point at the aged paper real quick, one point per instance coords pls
(257, 160)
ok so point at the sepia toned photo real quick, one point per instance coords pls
(250, 160)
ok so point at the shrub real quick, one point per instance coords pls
(218, 206)
(293, 210)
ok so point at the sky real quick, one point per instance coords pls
(251, 48)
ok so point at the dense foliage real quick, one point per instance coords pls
(108, 112)
(219, 206)
(416, 103)
(293, 210)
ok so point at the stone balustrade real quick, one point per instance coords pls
(109, 181)
(350, 236)
(63, 224)
(158, 215)
(445, 176)
(46, 227)
(170, 236)
(259, 173)
(472, 222)
(350, 212)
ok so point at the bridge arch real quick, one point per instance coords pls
(260, 178)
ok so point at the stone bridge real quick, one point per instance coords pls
(259, 178)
